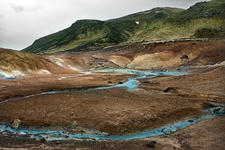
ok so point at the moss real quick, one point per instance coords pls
(209, 33)
(155, 24)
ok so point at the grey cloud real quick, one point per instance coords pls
(17, 9)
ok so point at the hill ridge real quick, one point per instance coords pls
(202, 20)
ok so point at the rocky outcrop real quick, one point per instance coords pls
(120, 61)
(164, 59)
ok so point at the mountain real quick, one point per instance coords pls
(203, 20)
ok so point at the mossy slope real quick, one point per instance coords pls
(203, 20)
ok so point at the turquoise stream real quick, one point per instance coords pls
(52, 135)
(132, 83)
(6, 78)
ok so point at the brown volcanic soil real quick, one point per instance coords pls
(119, 111)
(114, 111)
(148, 55)
(208, 85)
(208, 134)
(44, 83)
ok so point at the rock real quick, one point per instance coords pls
(82, 149)
(16, 123)
(42, 140)
(105, 134)
(151, 144)
(120, 82)
(170, 89)
(190, 120)
(219, 110)
(74, 124)
(184, 57)
(80, 129)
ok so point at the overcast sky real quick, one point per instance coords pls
(23, 21)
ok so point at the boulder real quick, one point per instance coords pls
(42, 140)
(16, 123)
(120, 82)
(105, 134)
(190, 120)
(219, 110)
(170, 90)
(184, 57)
(151, 144)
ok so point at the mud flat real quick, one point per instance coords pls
(32, 85)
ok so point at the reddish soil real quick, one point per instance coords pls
(209, 85)
(43, 83)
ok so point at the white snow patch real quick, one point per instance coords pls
(87, 73)
(44, 72)
(217, 64)
(78, 70)
(62, 78)
(74, 68)
(12, 74)
(57, 61)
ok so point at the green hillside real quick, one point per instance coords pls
(203, 20)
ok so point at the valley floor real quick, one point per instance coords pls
(120, 102)
(157, 101)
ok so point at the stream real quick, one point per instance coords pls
(131, 84)
(53, 135)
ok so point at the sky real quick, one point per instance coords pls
(24, 21)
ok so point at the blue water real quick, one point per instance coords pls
(5, 78)
(144, 72)
(131, 84)
(2, 76)
(52, 135)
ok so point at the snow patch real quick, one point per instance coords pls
(44, 72)
(12, 74)
(57, 61)
(74, 68)
(87, 73)
(62, 78)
